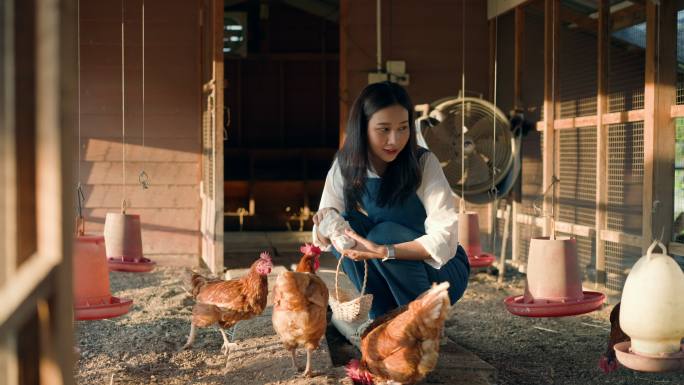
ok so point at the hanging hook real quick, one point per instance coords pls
(80, 201)
(144, 180)
(539, 200)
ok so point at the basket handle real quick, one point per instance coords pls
(337, 274)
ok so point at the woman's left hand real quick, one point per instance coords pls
(364, 249)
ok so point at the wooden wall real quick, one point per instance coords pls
(170, 208)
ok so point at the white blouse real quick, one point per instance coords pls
(441, 226)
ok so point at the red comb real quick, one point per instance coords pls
(265, 255)
(309, 248)
(358, 375)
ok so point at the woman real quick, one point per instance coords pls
(397, 201)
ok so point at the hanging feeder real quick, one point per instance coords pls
(652, 314)
(92, 299)
(553, 285)
(124, 244)
(469, 238)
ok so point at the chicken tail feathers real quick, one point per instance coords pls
(435, 301)
(197, 282)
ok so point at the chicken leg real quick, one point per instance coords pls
(191, 337)
(307, 371)
(227, 344)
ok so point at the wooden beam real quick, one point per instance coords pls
(345, 5)
(620, 237)
(677, 111)
(518, 57)
(551, 49)
(659, 130)
(575, 229)
(602, 71)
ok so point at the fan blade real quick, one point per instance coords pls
(478, 171)
(443, 138)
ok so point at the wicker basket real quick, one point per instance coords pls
(345, 305)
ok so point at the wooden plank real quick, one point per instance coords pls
(659, 130)
(620, 237)
(575, 229)
(603, 69)
(580, 121)
(675, 248)
(623, 117)
(518, 57)
(551, 57)
(531, 220)
(218, 133)
(677, 111)
(8, 206)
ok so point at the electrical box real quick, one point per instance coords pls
(397, 72)
(376, 77)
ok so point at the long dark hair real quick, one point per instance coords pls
(402, 176)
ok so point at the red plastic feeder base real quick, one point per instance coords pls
(115, 308)
(592, 301)
(647, 362)
(118, 264)
(482, 260)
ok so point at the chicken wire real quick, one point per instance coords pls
(625, 186)
(626, 77)
(577, 190)
(577, 74)
(625, 176)
(619, 258)
(585, 254)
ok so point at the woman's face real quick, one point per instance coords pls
(388, 133)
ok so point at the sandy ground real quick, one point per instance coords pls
(537, 350)
(142, 346)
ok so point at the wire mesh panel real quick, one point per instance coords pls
(577, 73)
(627, 69)
(678, 226)
(585, 254)
(625, 176)
(619, 258)
(625, 186)
(577, 192)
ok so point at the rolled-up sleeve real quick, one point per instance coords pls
(332, 197)
(441, 224)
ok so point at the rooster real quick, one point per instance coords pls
(299, 307)
(608, 362)
(402, 346)
(228, 302)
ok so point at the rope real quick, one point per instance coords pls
(463, 181)
(494, 189)
(143, 178)
(123, 116)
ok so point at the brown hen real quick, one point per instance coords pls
(299, 307)
(402, 347)
(227, 302)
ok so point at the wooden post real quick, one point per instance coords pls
(517, 99)
(602, 71)
(492, 207)
(551, 42)
(659, 128)
(345, 5)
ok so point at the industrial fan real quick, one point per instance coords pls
(490, 150)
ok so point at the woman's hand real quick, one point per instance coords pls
(317, 218)
(364, 249)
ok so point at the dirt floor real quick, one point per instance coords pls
(142, 346)
(537, 350)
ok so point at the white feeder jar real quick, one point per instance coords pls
(652, 309)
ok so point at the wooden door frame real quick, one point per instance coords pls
(212, 239)
(39, 288)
